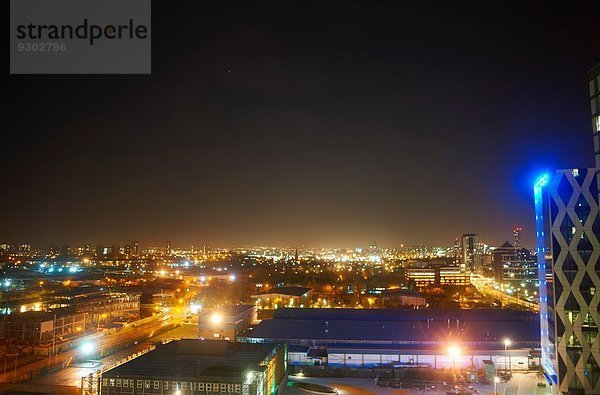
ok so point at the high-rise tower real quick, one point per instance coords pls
(567, 217)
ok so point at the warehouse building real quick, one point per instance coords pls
(200, 367)
(384, 337)
(225, 323)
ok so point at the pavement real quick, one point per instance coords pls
(519, 384)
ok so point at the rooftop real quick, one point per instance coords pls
(421, 327)
(405, 314)
(194, 358)
(230, 310)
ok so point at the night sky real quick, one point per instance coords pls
(306, 127)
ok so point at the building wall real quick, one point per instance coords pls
(518, 360)
(571, 339)
(34, 328)
(264, 380)
(154, 386)
(228, 327)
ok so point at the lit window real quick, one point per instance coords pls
(597, 123)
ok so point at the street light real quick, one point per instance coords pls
(87, 348)
(507, 342)
(496, 381)
(216, 318)
(454, 352)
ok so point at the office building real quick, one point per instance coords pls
(568, 233)
(517, 236)
(200, 367)
(472, 253)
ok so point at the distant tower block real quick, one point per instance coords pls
(517, 237)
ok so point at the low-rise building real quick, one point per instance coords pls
(225, 322)
(39, 327)
(365, 338)
(398, 297)
(191, 366)
(436, 276)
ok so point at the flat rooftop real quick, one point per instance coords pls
(423, 327)
(230, 310)
(195, 358)
(405, 314)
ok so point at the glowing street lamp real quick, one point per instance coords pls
(87, 348)
(507, 343)
(454, 352)
(216, 318)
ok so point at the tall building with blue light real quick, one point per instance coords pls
(567, 218)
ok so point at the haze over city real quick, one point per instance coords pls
(305, 127)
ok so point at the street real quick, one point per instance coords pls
(72, 374)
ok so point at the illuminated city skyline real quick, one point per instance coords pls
(408, 126)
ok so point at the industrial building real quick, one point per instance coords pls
(384, 337)
(226, 322)
(191, 366)
(395, 298)
(40, 327)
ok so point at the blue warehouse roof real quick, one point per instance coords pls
(421, 328)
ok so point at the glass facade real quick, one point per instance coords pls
(568, 233)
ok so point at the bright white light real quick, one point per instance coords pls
(216, 318)
(454, 351)
(87, 348)
(73, 269)
(507, 342)
(250, 376)
(496, 379)
(194, 308)
(232, 277)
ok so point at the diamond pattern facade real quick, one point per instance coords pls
(575, 249)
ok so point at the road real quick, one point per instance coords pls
(484, 286)
(72, 374)
(103, 343)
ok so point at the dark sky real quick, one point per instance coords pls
(306, 126)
